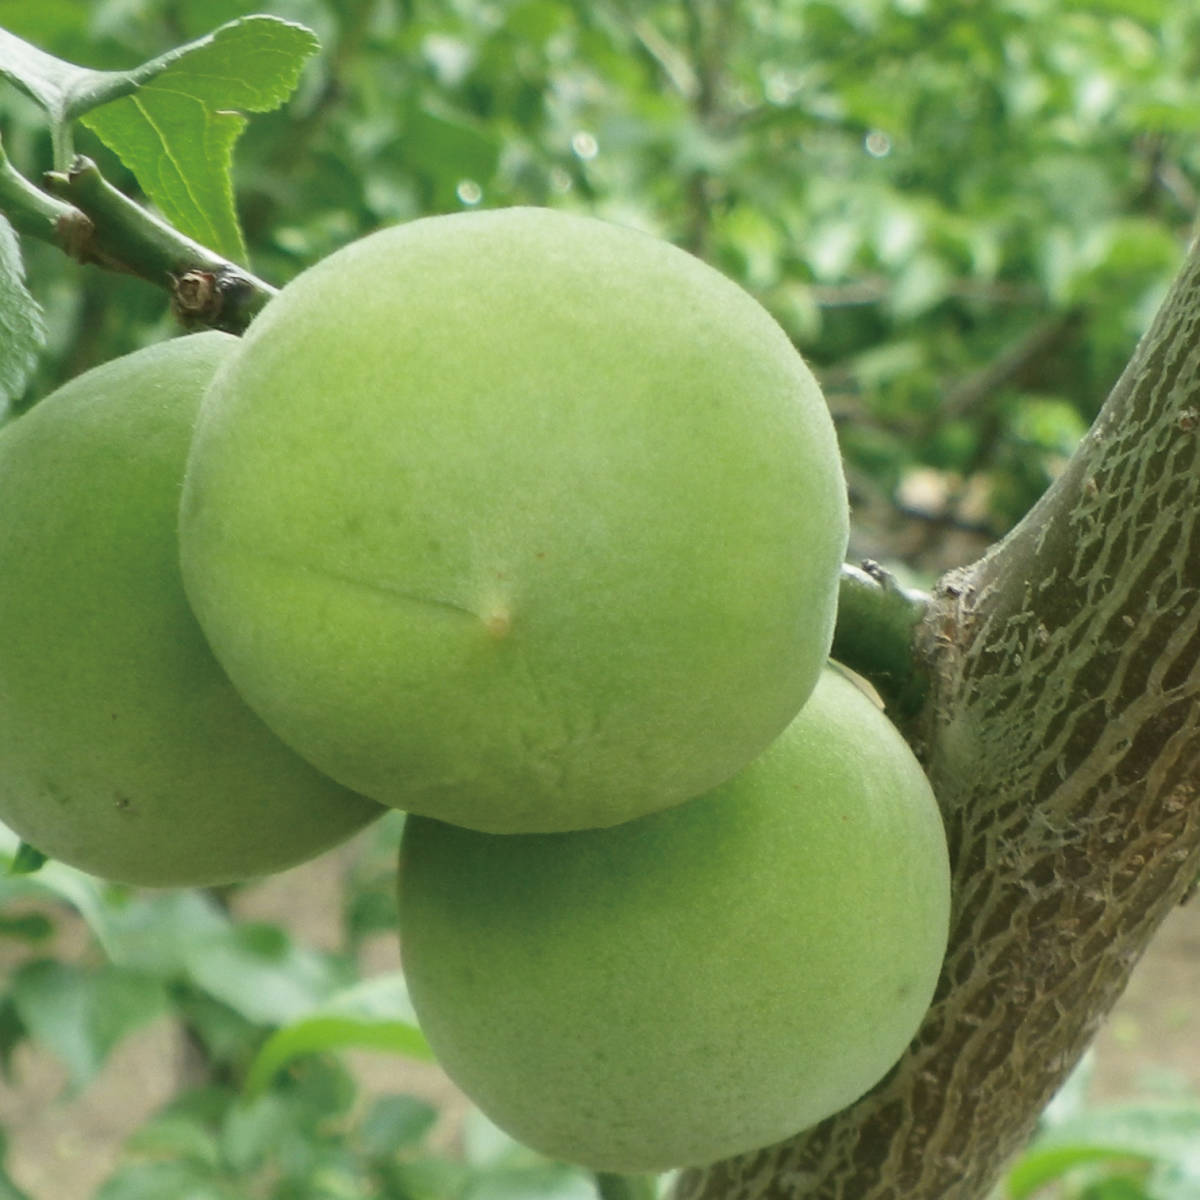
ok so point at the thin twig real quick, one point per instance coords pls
(205, 288)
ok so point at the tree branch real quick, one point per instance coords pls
(82, 214)
(1062, 737)
(205, 288)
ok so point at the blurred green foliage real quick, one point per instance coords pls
(265, 1107)
(964, 215)
(1139, 1150)
(268, 1109)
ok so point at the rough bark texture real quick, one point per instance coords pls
(1062, 736)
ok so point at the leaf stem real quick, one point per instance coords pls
(62, 142)
(610, 1186)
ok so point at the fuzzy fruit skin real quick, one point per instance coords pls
(703, 981)
(517, 519)
(124, 749)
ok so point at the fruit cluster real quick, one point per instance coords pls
(531, 527)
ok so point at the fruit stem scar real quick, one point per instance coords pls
(498, 622)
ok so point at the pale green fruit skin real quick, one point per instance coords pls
(124, 749)
(519, 520)
(700, 982)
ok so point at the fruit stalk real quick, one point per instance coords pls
(874, 635)
(1061, 732)
(625, 1187)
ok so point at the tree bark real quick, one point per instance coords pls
(1061, 731)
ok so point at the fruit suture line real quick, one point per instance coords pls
(481, 409)
(376, 587)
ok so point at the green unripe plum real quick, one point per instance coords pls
(516, 519)
(124, 749)
(700, 982)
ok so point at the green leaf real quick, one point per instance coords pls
(394, 1123)
(1122, 1187)
(224, 1036)
(253, 1131)
(12, 1034)
(429, 1178)
(449, 145)
(259, 972)
(46, 22)
(1043, 1166)
(51, 81)
(80, 1015)
(923, 283)
(27, 860)
(177, 1136)
(26, 927)
(22, 328)
(1161, 1133)
(176, 132)
(154, 931)
(375, 1014)
(504, 1169)
(188, 1180)
(83, 892)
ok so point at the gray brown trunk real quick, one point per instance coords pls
(1062, 736)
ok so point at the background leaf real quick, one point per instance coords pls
(396, 1122)
(49, 80)
(81, 1014)
(22, 329)
(1148, 1133)
(81, 891)
(154, 1180)
(27, 860)
(261, 973)
(176, 133)
(375, 1014)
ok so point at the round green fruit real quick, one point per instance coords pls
(520, 520)
(124, 749)
(702, 981)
